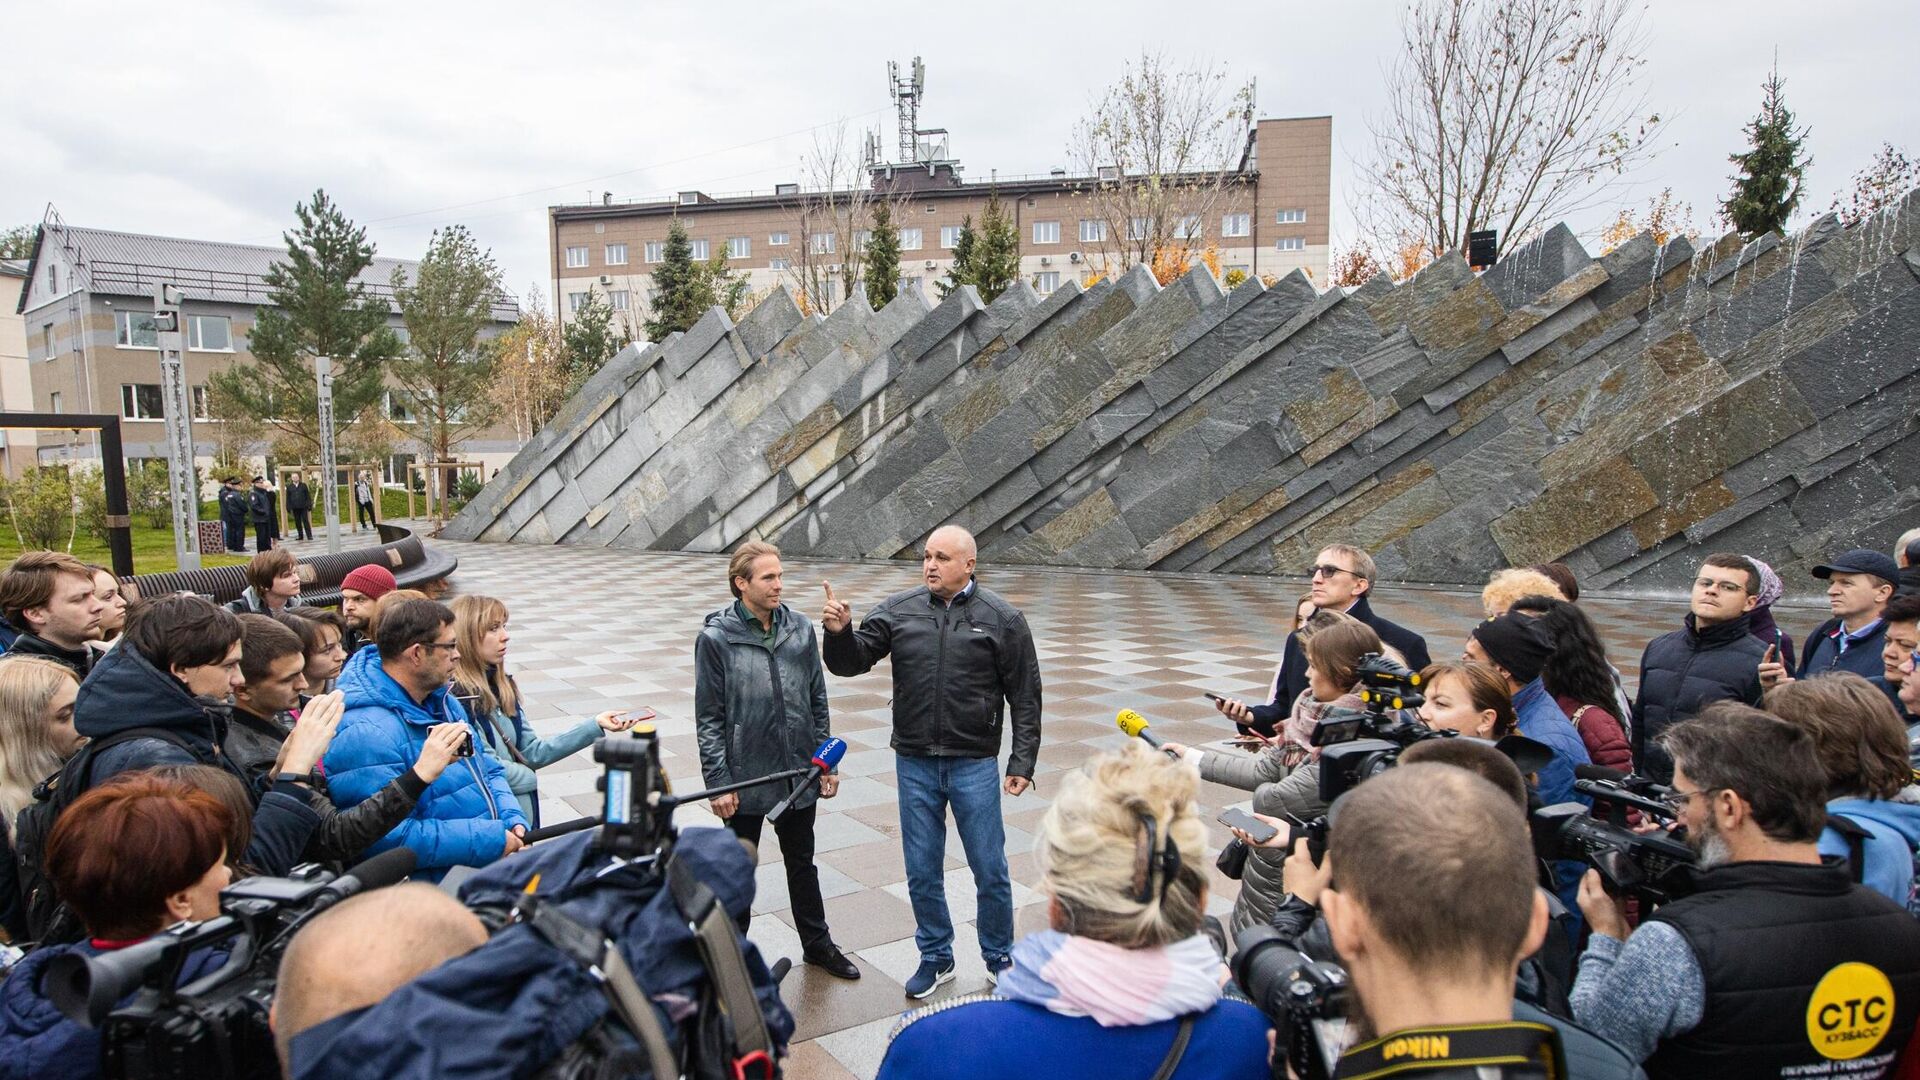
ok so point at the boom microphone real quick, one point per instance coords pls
(389, 867)
(1598, 772)
(824, 761)
(1132, 723)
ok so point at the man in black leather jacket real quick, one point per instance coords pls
(962, 658)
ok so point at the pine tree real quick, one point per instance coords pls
(961, 272)
(590, 340)
(996, 258)
(1767, 190)
(676, 304)
(883, 257)
(315, 308)
(446, 371)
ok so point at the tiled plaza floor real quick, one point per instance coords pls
(594, 629)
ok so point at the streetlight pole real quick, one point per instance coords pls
(175, 406)
(330, 497)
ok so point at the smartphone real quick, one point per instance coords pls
(1773, 654)
(637, 716)
(1247, 823)
(465, 748)
(1213, 697)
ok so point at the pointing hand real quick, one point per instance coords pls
(836, 615)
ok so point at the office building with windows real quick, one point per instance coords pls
(91, 346)
(1271, 219)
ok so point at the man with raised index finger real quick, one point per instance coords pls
(962, 659)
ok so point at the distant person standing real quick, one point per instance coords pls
(300, 505)
(260, 512)
(363, 499)
(233, 516)
(962, 657)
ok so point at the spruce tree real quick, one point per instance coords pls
(676, 304)
(883, 257)
(961, 272)
(996, 256)
(1767, 190)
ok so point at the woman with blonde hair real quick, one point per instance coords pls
(1125, 976)
(36, 727)
(1507, 587)
(492, 699)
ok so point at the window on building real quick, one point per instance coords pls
(1236, 224)
(576, 257)
(1290, 217)
(779, 264)
(53, 278)
(910, 240)
(820, 243)
(656, 250)
(576, 301)
(200, 403)
(1137, 228)
(1046, 281)
(860, 239)
(618, 298)
(826, 292)
(778, 239)
(141, 401)
(1092, 231)
(1290, 243)
(700, 251)
(1046, 232)
(135, 330)
(949, 236)
(396, 407)
(394, 470)
(53, 402)
(46, 341)
(910, 283)
(1187, 228)
(739, 247)
(616, 254)
(210, 333)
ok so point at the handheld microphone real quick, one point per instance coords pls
(1132, 723)
(824, 760)
(1598, 772)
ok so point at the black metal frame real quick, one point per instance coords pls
(113, 468)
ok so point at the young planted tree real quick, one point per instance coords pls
(315, 308)
(827, 255)
(530, 375)
(1504, 114)
(675, 307)
(996, 255)
(964, 270)
(590, 339)
(883, 257)
(1767, 189)
(444, 374)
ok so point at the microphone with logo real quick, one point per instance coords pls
(824, 760)
(1136, 725)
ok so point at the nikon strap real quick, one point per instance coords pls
(719, 942)
(1527, 1048)
(591, 949)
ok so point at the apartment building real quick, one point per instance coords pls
(16, 391)
(1271, 219)
(91, 346)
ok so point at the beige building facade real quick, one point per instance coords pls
(16, 385)
(1271, 219)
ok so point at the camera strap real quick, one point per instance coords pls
(719, 942)
(1528, 1048)
(591, 949)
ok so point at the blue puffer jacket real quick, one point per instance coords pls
(463, 818)
(1542, 721)
(990, 1036)
(1894, 825)
(37, 1041)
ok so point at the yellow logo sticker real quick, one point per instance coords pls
(1850, 1011)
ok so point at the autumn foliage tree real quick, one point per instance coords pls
(1665, 218)
(1881, 184)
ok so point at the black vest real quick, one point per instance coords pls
(1802, 968)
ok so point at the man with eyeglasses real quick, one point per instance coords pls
(395, 694)
(1775, 962)
(1715, 657)
(1342, 577)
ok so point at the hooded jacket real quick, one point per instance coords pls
(759, 708)
(37, 1041)
(463, 818)
(1686, 670)
(250, 603)
(126, 691)
(79, 661)
(1893, 826)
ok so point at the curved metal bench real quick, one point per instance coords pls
(412, 561)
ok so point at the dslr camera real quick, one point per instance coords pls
(1630, 863)
(1306, 999)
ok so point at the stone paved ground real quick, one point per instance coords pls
(597, 629)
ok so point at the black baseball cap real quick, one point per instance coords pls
(1862, 561)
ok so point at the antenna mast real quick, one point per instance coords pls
(906, 103)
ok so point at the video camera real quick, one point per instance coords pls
(1306, 999)
(215, 1026)
(1630, 863)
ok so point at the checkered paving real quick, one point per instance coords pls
(596, 629)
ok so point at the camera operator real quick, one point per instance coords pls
(131, 857)
(1776, 963)
(1123, 977)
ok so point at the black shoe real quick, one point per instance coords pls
(834, 962)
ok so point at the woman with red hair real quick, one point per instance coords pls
(131, 858)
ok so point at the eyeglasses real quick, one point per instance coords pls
(1328, 570)
(1723, 586)
(1677, 800)
(439, 644)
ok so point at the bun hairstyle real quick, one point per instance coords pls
(1122, 850)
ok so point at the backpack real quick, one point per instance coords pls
(1856, 837)
(49, 920)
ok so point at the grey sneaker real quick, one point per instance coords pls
(996, 967)
(931, 974)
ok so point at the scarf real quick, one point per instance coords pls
(1117, 987)
(1308, 712)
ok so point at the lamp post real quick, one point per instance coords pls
(330, 497)
(175, 407)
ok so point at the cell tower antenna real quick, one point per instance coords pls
(906, 103)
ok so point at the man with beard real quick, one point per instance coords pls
(1775, 962)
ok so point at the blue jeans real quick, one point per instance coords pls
(972, 785)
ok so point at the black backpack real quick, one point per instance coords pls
(49, 920)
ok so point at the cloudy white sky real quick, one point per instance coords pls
(211, 120)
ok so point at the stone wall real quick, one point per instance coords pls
(1625, 414)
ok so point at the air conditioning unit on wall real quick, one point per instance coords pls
(605, 280)
(929, 264)
(1046, 260)
(1073, 257)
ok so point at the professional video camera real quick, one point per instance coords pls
(215, 1026)
(1306, 999)
(1630, 863)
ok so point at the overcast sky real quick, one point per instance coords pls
(211, 120)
